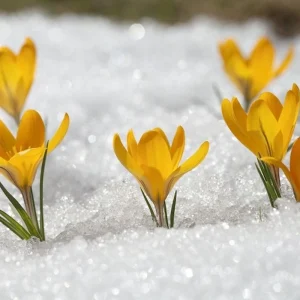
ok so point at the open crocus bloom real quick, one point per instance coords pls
(267, 128)
(155, 163)
(16, 77)
(292, 174)
(252, 74)
(21, 156)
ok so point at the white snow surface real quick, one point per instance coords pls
(228, 243)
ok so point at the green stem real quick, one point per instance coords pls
(30, 206)
(159, 213)
(42, 226)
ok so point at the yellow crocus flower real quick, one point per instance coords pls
(251, 75)
(16, 77)
(21, 156)
(292, 174)
(155, 163)
(267, 129)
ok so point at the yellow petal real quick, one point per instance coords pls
(235, 127)
(31, 132)
(239, 114)
(295, 167)
(228, 49)
(235, 64)
(192, 162)
(153, 184)
(60, 133)
(273, 103)
(163, 135)
(177, 147)
(261, 66)
(288, 118)
(125, 159)
(153, 151)
(9, 78)
(295, 89)
(261, 120)
(285, 63)
(26, 63)
(23, 166)
(131, 144)
(7, 141)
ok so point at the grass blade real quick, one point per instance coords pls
(42, 226)
(172, 214)
(150, 208)
(166, 214)
(11, 227)
(18, 227)
(21, 211)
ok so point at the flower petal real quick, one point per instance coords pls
(228, 49)
(9, 78)
(192, 162)
(262, 121)
(163, 135)
(273, 103)
(235, 127)
(60, 133)
(153, 151)
(285, 63)
(131, 144)
(288, 118)
(153, 184)
(7, 141)
(235, 64)
(177, 147)
(261, 65)
(31, 132)
(295, 167)
(26, 63)
(125, 159)
(26, 162)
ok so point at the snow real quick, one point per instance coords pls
(228, 243)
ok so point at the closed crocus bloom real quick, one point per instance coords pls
(267, 129)
(155, 163)
(292, 174)
(251, 75)
(21, 156)
(16, 77)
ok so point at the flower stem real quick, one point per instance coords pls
(160, 215)
(30, 205)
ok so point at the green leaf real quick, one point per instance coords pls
(166, 214)
(172, 215)
(18, 227)
(21, 211)
(150, 208)
(269, 181)
(290, 146)
(12, 228)
(42, 226)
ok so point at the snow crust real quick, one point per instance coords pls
(228, 244)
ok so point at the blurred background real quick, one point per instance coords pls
(283, 14)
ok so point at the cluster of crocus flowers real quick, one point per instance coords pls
(16, 77)
(266, 130)
(252, 74)
(155, 163)
(20, 158)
